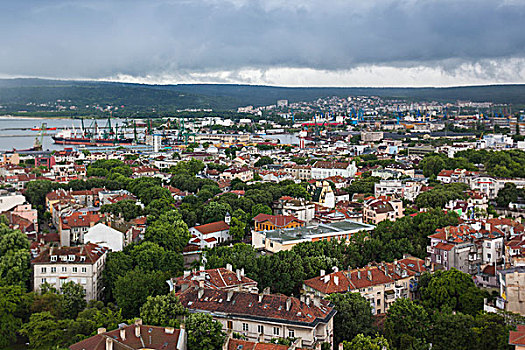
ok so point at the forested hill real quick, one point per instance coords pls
(16, 94)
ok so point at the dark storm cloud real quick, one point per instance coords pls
(95, 39)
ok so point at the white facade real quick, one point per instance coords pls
(105, 236)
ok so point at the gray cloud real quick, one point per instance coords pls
(181, 38)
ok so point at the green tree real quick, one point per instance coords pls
(10, 300)
(362, 342)
(263, 161)
(260, 209)
(169, 231)
(432, 165)
(97, 315)
(15, 267)
(407, 325)
(353, 317)
(45, 331)
(74, 299)
(451, 331)
(237, 229)
(132, 290)
(508, 194)
(163, 310)
(215, 211)
(454, 290)
(204, 333)
(117, 265)
(127, 208)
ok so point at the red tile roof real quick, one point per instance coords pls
(151, 337)
(92, 252)
(247, 305)
(220, 278)
(212, 227)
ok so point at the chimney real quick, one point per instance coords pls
(336, 280)
(169, 330)
(335, 269)
(109, 344)
(340, 346)
(288, 304)
(201, 268)
(200, 293)
(201, 284)
(261, 297)
(323, 272)
(242, 272)
(358, 274)
(266, 290)
(238, 272)
(326, 278)
(229, 267)
(229, 295)
(122, 333)
(101, 330)
(138, 323)
(307, 301)
(317, 301)
(186, 273)
(369, 275)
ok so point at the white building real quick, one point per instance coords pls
(82, 265)
(209, 235)
(105, 236)
(322, 169)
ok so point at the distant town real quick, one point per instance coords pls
(358, 222)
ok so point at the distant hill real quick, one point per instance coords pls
(16, 94)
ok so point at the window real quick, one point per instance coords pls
(291, 333)
(230, 324)
(75, 269)
(43, 270)
(260, 329)
(275, 330)
(53, 269)
(489, 256)
(378, 302)
(43, 280)
(245, 327)
(64, 269)
(488, 244)
(84, 269)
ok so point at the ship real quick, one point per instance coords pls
(42, 128)
(91, 136)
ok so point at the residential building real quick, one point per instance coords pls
(275, 240)
(243, 174)
(106, 236)
(512, 289)
(74, 225)
(379, 209)
(299, 208)
(381, 284)
(407, 189)
(465, 248)
(300, 172)
(135, 337)
(371, 136)
(221, 278)
(322, 169)
(323, 194)
(275, 222)
(263, 317)
(82, 265)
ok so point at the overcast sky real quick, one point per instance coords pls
(288, 42)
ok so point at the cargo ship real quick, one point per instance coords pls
(92, 136)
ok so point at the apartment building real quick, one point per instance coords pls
(381, 284)
(398, 188)
(135, 337)
(220, 278)
(82, 265)
(376, 210)
(322, 169)
(465, 248)
(74, 225)
(299, 208)
(300, 172)
(263, 317)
